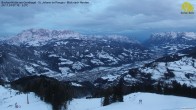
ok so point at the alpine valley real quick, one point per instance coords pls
(96, 65)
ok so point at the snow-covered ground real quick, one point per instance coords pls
(150, 101)
(9, 97)
(181, 68)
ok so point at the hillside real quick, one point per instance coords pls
(180, 67)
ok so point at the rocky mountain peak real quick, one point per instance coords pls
(36, 37)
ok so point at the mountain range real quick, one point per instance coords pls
(71, 56)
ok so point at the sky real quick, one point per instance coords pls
(135, 18)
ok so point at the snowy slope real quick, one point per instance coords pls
(9, 97)
(180, 67)
(150, 101)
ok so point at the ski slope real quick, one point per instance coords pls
(9, 97)
(150, 101)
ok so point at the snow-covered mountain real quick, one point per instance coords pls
(171, 42)
(38, 37)
(66, 54)
(87, 65)
(180, 67)
(70, 56)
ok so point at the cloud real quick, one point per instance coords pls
(99, 17)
